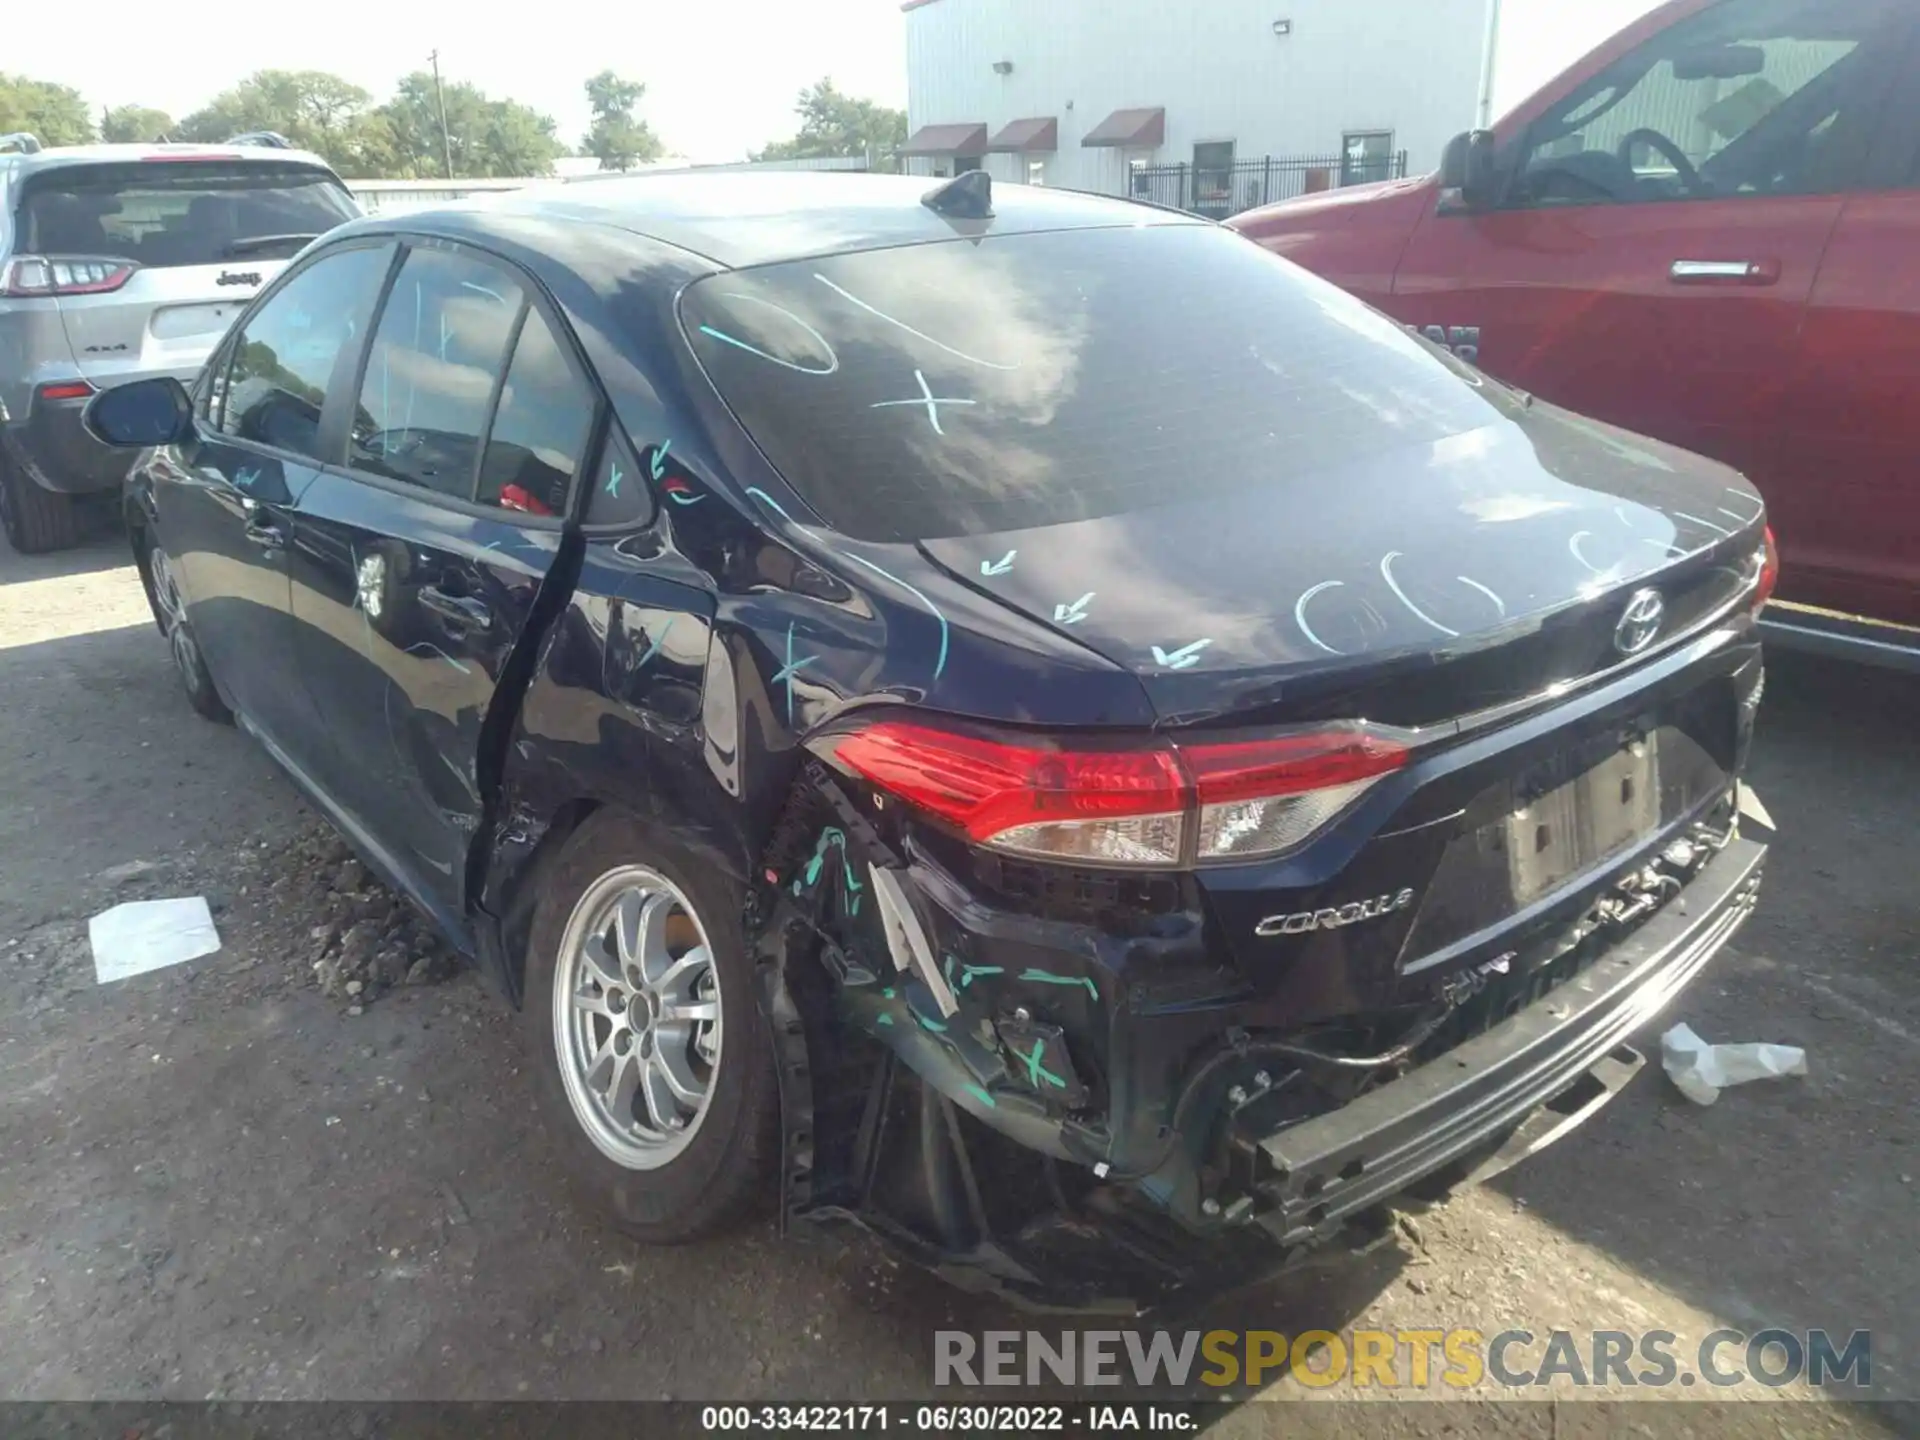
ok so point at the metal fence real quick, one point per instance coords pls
(1218, 191)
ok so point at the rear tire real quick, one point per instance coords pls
(36, 521)
(634, 931)
(169, 608)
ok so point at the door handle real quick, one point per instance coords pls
(1724, 272)
(263, 526)
(462, 612)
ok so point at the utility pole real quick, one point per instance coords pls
(1489, 49)
(440, 99)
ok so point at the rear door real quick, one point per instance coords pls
(420, 560)
(1841, 483)
(1665, 219)
(199, 236)
(225, 502)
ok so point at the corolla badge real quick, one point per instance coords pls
(1640, 622)
(1335, 917)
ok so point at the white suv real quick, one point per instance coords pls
(120, 262)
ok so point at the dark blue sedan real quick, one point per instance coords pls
(1018, 721)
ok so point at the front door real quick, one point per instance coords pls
(1662, 224)
(225, 504)
(421, 561)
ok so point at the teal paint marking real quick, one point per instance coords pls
(940, 665)
(969, 973)
(889, 992)
(772, 504)
(1181, 659)
(1047, 977)
(1036, 1072)
(981, 1094)
(789, 670)
(657, 464)
(934, 1025)
(613, 482)
(884, 1020)
(1000, 566)
(654, 648)
(1073, 614)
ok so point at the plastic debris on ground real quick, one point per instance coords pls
(145, 935)
(1702, 1071)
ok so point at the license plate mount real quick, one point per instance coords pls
(1573, 827)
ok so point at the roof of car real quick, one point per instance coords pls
(741, 218)
(54, 157)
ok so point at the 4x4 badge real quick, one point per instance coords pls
(1334, 918)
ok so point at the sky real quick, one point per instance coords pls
(721, 75)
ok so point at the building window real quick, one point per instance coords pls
(1366, 155)
(963, 163)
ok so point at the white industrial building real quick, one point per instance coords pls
(1218, 104)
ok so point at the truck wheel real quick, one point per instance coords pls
(36, 521)
(653, 1064)
(170, 609)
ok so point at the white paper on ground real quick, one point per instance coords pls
(1702, 1071)
(1751, 807)
(145, 935)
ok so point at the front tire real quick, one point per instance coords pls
(653, 1065)
(37, 521)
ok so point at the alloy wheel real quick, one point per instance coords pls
(636, 1017)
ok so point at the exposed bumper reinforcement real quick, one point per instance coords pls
(1500, 1083)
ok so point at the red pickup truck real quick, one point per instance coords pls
(1707, 230)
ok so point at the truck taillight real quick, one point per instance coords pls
(1769, 572)
(1137, 805)
(30, 275)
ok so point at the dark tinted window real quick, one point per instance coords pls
(539, 429)
(284, 357)
(439, 349)
(964, 387)
(622, 486)
(182, 212)
(1750, 97)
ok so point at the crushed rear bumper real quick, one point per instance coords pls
(1514, 1080)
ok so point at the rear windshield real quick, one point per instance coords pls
(198, 212)
(967, 387)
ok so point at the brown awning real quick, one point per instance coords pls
(1130, 130)
(964, 139)
(1021, 137)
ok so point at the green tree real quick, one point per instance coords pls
(618, 140)
(315, 110)
(487, 137)
(834, 123)
(134, 125)
(56, 114)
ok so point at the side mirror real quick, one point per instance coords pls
(140, 414)
(1467, 166)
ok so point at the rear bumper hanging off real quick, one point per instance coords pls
(1322, 1171)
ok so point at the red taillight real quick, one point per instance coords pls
(32, 275)
(1132, 806)
(1769, 572)
(66, 390)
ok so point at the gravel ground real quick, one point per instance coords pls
(308, 1166)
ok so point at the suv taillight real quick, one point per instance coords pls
(1769, 572)
(28, 275)
(1159, 804)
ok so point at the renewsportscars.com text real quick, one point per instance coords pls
(1402, 1359)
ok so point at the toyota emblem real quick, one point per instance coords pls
(1639, 622)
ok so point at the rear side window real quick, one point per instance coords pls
(284, 357)
(167, 213)
(976, 386)
(539, 428)
(440, 346)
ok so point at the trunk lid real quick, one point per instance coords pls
(160, 320)
(1410, 588)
